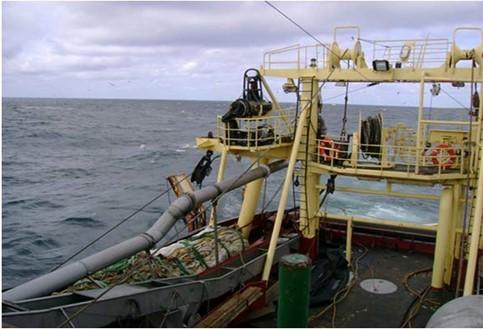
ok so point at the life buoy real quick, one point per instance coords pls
(328, 149)
(443, 155)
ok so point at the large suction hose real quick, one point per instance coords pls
(70, 273)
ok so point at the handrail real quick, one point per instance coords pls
(439, 158)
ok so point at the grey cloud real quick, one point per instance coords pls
(191, 42)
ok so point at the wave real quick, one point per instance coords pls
(13, 180)
(46, 243)
(32, 204)
(45, 134)
(83, 221)
(72, 172)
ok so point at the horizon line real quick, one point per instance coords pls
(197, 100)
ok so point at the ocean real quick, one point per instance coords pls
(72, 168)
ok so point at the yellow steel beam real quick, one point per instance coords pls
(284, 196)
(281, 151)
(387, 174)
(438, 74)
(309, 196)
(219, 178)
(250, 201)
(442, 236)
(348, 189)
(455, 223)
(475, 236)
(379, 221)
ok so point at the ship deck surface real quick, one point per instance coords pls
(364, 309)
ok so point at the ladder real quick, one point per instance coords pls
(475, 192)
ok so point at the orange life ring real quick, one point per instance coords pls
(328, 149)
(443, 155)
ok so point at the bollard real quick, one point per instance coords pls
(294, 291)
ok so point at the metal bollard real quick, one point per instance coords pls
(294, 291)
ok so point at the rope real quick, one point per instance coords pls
(350, 92)
(414, 308)
(346, 99)
(312, 36)
(130, 273)
(344, 292)
(114, 227)
(457, 101)
(126, 277)
(142, 263)
(296, 108)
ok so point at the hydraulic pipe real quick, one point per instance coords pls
(70, 273)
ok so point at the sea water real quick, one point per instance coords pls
(73, 168)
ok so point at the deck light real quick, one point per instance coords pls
(289, 86)
(380, 65)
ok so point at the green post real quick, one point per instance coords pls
(294, 291)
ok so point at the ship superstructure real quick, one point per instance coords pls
(445, 152)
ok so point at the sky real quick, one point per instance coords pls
(198, 50)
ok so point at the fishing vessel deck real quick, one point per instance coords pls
(417, 266)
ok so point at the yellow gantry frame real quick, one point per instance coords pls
(450, 199)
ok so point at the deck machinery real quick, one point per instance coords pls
(436, 152)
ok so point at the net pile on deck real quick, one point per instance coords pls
(185, 257)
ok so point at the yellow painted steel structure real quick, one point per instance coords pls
(250, 201)
(418, 61)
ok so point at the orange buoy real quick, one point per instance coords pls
(328, 149)
(443, 155)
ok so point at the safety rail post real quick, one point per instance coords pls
(298, 58)
(348, 243)
(355, 149)
(419, 125)
(305, 56)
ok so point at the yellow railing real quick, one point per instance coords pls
(258, 131)
(415, 53)
(438, 158)
(296, 57)
(410, 53)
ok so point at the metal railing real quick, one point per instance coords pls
(438, 158)
(296, 57)
(410, 53)
(415, 53)
(260, 131)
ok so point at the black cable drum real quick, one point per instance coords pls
(371, 136)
